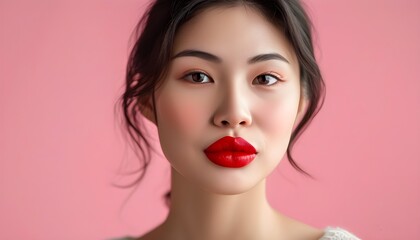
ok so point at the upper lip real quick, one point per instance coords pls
(231, 144)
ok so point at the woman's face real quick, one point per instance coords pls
(233, 74)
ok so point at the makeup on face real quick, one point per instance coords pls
(251, 83)
(231, 152)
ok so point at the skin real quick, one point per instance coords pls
(259, 101)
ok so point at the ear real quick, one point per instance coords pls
(303, 104)
(147, 109)
(145, 106)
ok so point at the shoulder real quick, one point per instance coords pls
(300, 230)
(338, 234)
(294, 229)
(297, 230)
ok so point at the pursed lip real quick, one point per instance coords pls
(233, 152)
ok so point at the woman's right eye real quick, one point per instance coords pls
(197, 77)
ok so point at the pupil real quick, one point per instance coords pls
(263, 79)
(197, 77)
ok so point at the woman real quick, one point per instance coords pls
(230, 85)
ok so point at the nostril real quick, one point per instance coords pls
(225, 123)
(242, 123)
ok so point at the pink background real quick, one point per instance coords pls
(62, 67)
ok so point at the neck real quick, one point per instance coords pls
(199, 214)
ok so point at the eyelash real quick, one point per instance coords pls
(278, 79)
(269, 74)
(196, 72)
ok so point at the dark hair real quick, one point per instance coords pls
(151, 53)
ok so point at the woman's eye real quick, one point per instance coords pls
(265, 79)
(197, 77)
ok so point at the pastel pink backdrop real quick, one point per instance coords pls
(62, 68)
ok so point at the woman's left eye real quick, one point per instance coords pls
(265, 79)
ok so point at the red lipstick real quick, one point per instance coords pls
(231, 152)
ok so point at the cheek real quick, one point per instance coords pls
(182, 118)
(278, 116)
(176, 116)
(179, 112)
(275, 119)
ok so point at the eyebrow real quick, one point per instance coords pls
(212, 58)
(266, 57)
(200, 54)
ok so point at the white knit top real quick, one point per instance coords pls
(338, 234)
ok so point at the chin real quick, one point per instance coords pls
(218, 180)
(228, 185)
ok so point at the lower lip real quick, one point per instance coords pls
(231, 159)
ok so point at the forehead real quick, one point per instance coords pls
(237, 32)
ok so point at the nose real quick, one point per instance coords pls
(233, 109)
